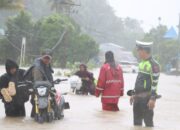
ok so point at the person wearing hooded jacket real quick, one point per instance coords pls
(110, 83)
(11, 96)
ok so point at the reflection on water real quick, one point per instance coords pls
(86, 113)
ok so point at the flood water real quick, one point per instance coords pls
(86, 113)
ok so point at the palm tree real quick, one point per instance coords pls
(63, 6)
(11, 4)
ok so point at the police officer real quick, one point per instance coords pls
(145, 95)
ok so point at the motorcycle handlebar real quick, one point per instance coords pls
(30, 83)
(57, 81)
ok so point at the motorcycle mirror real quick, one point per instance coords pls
(66, 105)
(158, 96)
(64, 79)
(130, 92)
(64, 93)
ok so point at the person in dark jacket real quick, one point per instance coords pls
(10, 94)
(87, 80)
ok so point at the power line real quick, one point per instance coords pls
(53, 48)
(24, 31)
(18, 49)
(60, 39)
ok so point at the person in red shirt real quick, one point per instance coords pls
(110, 83)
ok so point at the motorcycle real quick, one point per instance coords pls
(77, 85)
(49, 104)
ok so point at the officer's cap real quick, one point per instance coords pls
(143, 45)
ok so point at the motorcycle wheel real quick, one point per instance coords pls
(50, 117)
(39, 119)
(61, 115)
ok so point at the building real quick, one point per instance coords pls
(120, 53)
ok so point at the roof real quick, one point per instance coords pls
(171, 33)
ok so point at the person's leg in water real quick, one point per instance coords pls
(148, 118)
(148, 115)
(10, 110)
(84, 89)
(110, 107)
(138, 113)
(19, 110)
(115, 107)
(91, 89)
(22, 111)
(33, 106)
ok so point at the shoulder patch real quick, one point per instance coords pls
(155, 65)
(156, 68)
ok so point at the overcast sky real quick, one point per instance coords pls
(148, 11)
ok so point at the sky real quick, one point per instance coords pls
(148, 11)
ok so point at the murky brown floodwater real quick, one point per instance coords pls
(86, 114)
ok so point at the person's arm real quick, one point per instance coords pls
(101, 82)
(122, 82)
(4, 94)
(155, 73)
(3, 81)
(2, 85)
(91, 77)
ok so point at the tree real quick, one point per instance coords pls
(83, 48)
(11, 4)
(5, 50)
(45, 33)
(62, 6)
(18, 27)
(164, 50)
(98, 19)
(74, 46)
(95, 18)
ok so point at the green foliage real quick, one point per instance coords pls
(4, 53)
(49, 29)
(74, 47)
(164, 50)
(17, 27)
(62, 6)
(11, 4)
(98, 19)
(95, 17)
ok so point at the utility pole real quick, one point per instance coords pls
(23, 51)
(159, 20)
(179, 29)
(158, 39)
(178, 41)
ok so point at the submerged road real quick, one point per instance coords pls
(86, 113)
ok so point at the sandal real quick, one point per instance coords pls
(11, 89)
(6, 95)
